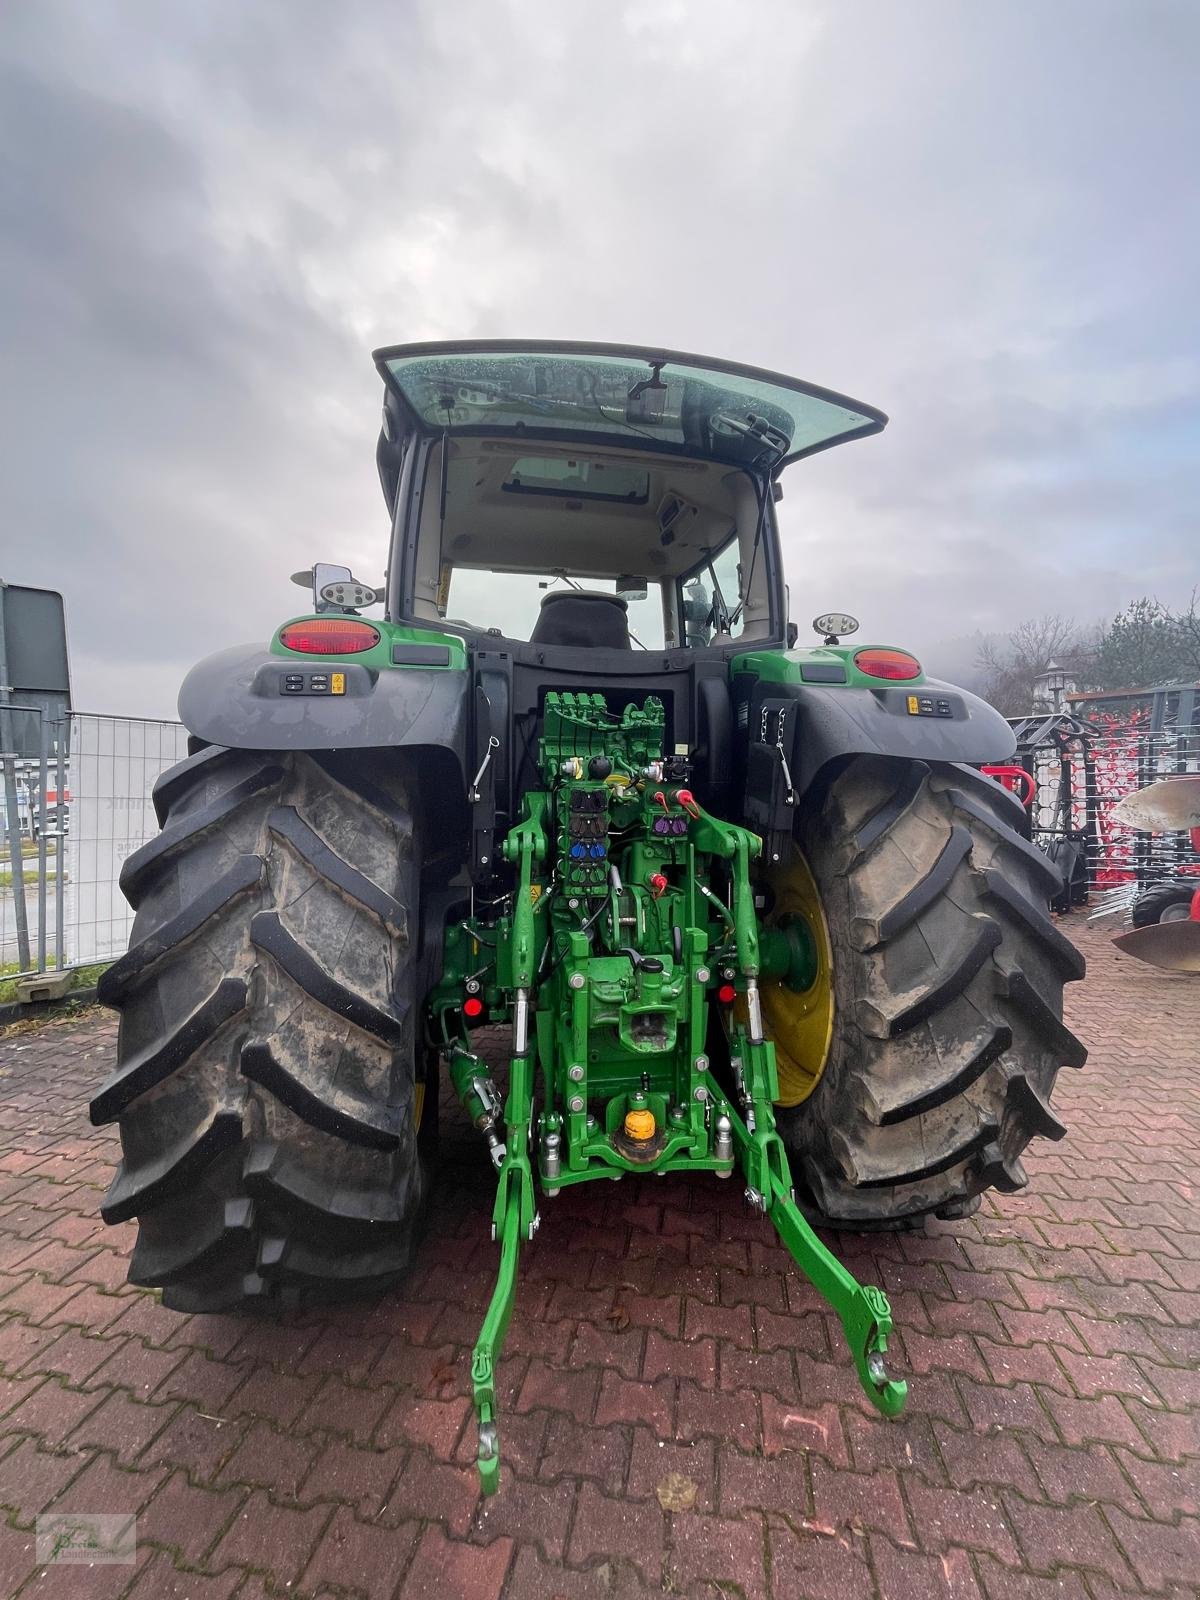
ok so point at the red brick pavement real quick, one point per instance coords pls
(1050, 1451)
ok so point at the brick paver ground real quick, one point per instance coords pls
(1050, 1451)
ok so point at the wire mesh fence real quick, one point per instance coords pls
(32, 811)
(113, 767)
(70, 820)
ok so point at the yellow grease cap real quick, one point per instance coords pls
(639, 1124)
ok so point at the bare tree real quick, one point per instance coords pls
(1144, 645)
(1010, 666)
(1187, 624)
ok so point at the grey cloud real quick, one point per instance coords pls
(981, 219)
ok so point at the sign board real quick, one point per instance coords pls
(33, 665)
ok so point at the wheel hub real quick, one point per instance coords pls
(797, 992)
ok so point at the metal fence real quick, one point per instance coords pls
(76, 814)
(113, 766)
(1081, 769)
(32, 793)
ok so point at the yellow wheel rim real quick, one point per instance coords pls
(800, 1022)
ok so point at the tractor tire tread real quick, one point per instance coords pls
(139, 962)
(142, 863)
(267, 1062)
(355, 1118)
(150, 1067)
(268, 934)
(948, 976)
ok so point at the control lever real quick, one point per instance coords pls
(641, 963)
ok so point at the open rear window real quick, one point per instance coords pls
(635, 399)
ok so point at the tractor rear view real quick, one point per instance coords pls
(743, 907)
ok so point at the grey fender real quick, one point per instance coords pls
(235, 698)
(830, 723)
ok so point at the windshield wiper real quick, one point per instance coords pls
(772, 441)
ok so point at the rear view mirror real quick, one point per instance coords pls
(631, 588)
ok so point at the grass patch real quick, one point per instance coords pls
(82, 978)
(31, 879)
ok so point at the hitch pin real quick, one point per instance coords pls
(754, 1010)
(473, 794)
(521, 1023)
(790, 798)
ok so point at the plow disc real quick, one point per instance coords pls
(1172, 805)
(1173, 946)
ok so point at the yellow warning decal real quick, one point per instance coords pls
(337, 683)
(914, 706)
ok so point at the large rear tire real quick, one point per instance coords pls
(270, 1068)
(948, 974)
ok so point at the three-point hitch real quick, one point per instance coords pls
(627, 957)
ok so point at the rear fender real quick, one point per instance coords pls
(818, 727)
(236, 698)
(831, 723)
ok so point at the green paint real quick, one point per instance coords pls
(608, 942)
(379, 657)
(865, 1313)
(783, 666)
(789, 951)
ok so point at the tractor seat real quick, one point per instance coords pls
(583, 619)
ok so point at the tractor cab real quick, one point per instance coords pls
(587, 497)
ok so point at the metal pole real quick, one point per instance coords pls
(12, 823)
(12, 835)
(43, 734)
(60, 882)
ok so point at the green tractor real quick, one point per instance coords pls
(741, 906)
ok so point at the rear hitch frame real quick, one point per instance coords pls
(863, 1309)
(663, 1108)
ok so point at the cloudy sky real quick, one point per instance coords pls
(982, 218)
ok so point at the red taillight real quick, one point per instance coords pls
(726, 994)
(473, 1006)
(887, 663)
(329, 636)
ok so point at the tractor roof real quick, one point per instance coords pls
(632, 396)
